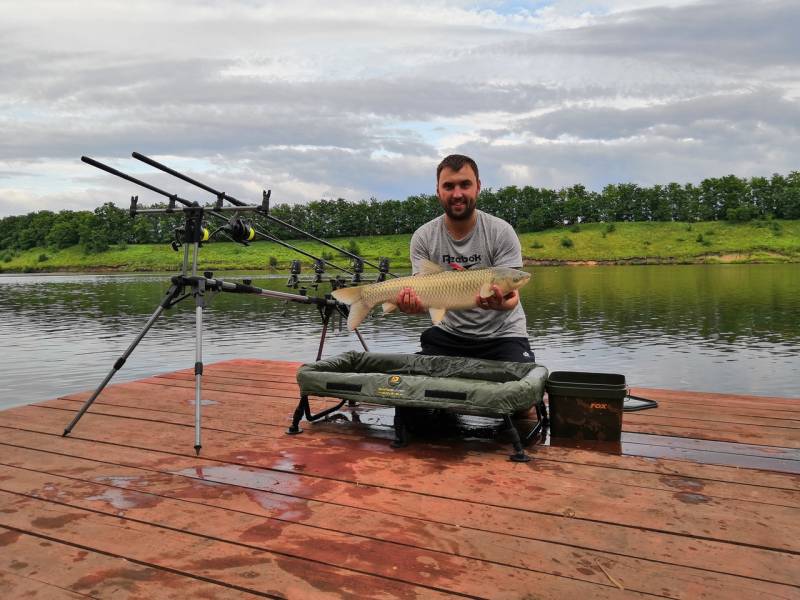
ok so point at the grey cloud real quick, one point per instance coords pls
(748, 34)
(688, 118)
(647, 161)
(720, 73)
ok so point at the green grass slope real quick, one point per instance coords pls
(758, 241)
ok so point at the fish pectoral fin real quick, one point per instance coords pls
(389, 307)
(427, 267)
(358, 311)
(486, 290)
(437, 314)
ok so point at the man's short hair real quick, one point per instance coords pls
(456, 162)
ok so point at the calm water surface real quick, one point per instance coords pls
(722, 328)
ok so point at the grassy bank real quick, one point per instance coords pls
(772, 241)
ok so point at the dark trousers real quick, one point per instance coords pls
(436, 341)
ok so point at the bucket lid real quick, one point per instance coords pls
(580, 378)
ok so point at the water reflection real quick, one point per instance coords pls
(726, 328)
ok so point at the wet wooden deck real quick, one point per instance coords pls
(704, 502)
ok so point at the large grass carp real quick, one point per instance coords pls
(438, 289)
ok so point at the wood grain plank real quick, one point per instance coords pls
(590, 473)
(234, 565)
(487, 577)
(446, 473)
(45, 569)
(273, 493)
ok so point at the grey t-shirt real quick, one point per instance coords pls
(492, 243)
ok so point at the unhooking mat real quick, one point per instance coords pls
(462, 385)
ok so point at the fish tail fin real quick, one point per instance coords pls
(347, 295)
(358, 312)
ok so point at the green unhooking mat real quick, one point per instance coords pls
(462, 385)
(411, 381)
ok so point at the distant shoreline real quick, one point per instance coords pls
(706, 259)
(586, 244)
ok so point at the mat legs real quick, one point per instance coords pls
(543, 422)
(519, 452)
(400, 429)
(304, 409)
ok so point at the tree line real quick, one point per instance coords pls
(526, 208)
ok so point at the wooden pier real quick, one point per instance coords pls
(702, 502)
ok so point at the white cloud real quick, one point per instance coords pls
(358, 100)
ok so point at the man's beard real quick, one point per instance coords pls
(469, 208)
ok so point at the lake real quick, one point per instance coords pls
(719, 328)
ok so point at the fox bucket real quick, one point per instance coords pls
(586, 406)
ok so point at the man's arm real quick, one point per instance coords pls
(407, 300)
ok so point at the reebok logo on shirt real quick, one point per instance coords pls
(449, 258)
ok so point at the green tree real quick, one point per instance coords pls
(65, 231)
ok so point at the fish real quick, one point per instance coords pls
(439, 290)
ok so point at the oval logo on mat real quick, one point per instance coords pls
(394, 380)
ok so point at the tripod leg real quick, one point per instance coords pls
(173, 291)
(198, 364)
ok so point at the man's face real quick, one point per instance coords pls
(458, 192)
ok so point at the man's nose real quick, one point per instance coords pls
(458, 192)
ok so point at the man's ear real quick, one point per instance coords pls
(479, 186)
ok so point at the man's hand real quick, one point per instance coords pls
(408, 302)
(497, 301)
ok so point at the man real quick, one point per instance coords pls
(465, 237)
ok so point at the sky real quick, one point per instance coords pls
(359, 100)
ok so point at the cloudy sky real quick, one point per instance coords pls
(361, 99)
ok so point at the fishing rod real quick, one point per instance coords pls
(264, 203)
(214, 212)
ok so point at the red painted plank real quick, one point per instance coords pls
(411, 564)
(46, 569)
(223, 563)
(451, 473)
(356, 506)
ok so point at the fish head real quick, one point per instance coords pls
(508, 279)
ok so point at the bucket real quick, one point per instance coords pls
(586, 406)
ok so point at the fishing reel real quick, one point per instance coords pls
(194, 230)
(240, 230)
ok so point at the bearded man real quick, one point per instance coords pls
(466, 237)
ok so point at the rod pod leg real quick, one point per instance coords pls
(198, 369)
(168, 301)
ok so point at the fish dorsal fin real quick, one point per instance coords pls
(437, 314)
(427, 267)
